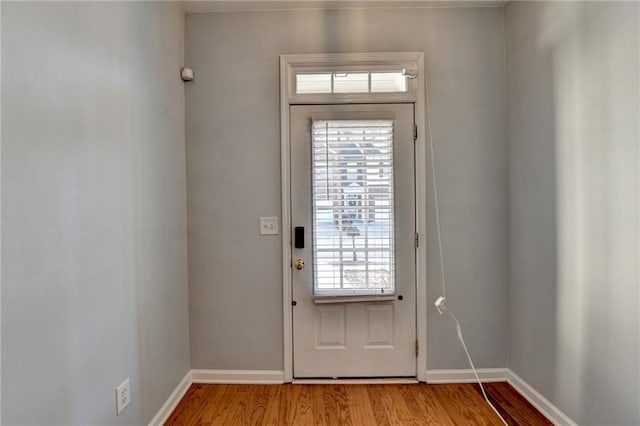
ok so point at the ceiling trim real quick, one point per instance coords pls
(218, 6)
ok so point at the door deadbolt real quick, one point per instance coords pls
(299, 264)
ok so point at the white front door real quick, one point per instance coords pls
(353, 248)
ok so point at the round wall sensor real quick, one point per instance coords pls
(186, 74)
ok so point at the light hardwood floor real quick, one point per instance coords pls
(352, 404)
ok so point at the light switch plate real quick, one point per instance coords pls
(269, 225)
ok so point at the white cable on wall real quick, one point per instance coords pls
(435, 193)
(440, 303)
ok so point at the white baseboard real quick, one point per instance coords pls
(542, 404)
(262, 377)
(466, 375)
(172, 402)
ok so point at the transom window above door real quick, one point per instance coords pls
(334, 78)
(351, 82)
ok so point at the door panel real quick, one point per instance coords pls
(353, 191)
(331, 332)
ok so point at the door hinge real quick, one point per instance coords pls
(417, 347)
(417, 240)
(415, 132)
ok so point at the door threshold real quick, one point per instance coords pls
(357, 381)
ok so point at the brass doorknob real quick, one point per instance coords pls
(299, 264)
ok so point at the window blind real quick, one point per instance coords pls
(353, 207)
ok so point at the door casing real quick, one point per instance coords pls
(289, 65)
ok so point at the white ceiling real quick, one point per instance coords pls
(207, 6)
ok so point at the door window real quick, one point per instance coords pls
(353, 207)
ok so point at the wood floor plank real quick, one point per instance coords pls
(435, 409)
(464, 405)
(255, 405)
(515, 405)
(318, 405)
(204, 406)
(197, 403)
(352, 404)
(498, 402)
(404, 398)
(279, 397)
(228, 404)
(360, 405)
(336, 406)
(302, 404)
(375, 401)
(403, 413)
(420, 402)
(386, 409)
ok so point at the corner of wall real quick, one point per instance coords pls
(507, 185)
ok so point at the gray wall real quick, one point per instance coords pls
(574, 107)
(94, 267)
(94, 264)
(233, 157)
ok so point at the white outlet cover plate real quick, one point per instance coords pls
(269, 225)
(123, 396)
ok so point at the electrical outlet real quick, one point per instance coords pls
(269, 225)
(123, 396)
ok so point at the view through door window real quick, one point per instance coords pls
(353, 209)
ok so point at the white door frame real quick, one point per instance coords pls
(412, 61)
